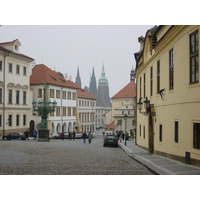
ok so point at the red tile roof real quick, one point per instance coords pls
(110, 126)
(41, 73)
(84, 94)
(129, 91)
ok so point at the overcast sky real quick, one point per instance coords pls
(66, 47)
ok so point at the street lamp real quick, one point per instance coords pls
(125, 119)
(140, 104)
(147, 104)
(44, 108)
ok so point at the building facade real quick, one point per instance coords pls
(15, 92)
(63, 91)
(86, 111)
(167, 73)
(124, 102)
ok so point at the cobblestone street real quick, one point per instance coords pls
(66, 157)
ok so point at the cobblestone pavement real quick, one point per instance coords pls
(66, 157)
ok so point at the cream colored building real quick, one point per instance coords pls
(15, 92)
(167, 73)
(123, 102)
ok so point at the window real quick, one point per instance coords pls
(158, 76)
(24, 71)
(74, 95)
(176, 132)
(17, 69)
(64, 93)
(24, 120)
(39, 93)
(133, 122)
(69, 95)
(0, 65)
(24, 97)
(64, 111)
(10, 68)
(57, 111)
(194, 57)
(51, 93)
(0, 120)
(58, 94)
(74, 111)
(10, 120)
(196, 135)
(17, 96)
(171, 69)
(17, 120)
(144, 131)
(10, 96)
(69, 112)
(140, 130)
(1, 97)
(151, 81)
(160, 132)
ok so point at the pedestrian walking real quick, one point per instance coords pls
(84, 137)
(90, 137)
(35, 134)
(62, 136)
(74, 135)
(123, 136)
(70, 135)
(26, 133)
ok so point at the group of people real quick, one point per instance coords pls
(89, 136)
(85, 136)
(71, 136)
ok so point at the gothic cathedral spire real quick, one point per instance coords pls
(93, 84)
(78, 78)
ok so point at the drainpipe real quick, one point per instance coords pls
(4, 91)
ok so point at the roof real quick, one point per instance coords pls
(85, 94)
(110, 126)
(3, 47)
(129, 91)
(41, 73)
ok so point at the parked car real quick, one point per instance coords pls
(14, 135)
(109, 133)
(111, 140)
(52, 135)
(66, 136)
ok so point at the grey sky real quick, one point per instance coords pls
(68, 46)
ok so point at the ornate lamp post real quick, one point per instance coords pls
(44, 108)
(125, 119)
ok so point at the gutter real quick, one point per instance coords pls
(4, 91)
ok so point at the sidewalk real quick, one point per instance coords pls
(158, 164)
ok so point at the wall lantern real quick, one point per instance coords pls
(147, 104)
(140, 104)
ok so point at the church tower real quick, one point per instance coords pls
(93, 84)
(78, 78)
(132, 75)
(103, 91)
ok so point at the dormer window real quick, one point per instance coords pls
(16, 47)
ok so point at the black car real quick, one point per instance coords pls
(110, 140)
(14, 135)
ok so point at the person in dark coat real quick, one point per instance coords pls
(84, 137)
(70, 135)
(26, 133)
(90, 137)
(74, 135)
(62, 136)
(123, 136)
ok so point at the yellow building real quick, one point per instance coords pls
(167, 73)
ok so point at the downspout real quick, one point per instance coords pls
(4, 92)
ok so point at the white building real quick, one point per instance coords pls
(86, 111)
(15, 93)
(58, 89)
